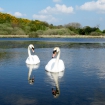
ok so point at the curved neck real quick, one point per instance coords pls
(56, 61)
(57, 58)
(29, 53)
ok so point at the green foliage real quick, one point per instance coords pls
(39, 32)
(62, 31)
(96, 33)
(99, 31)
(5, 29)
(26, 29)
(89, 31)
(81, 31)
(3, 32)
(18, 26)
(103, 31)
(10, 25)
(17, 31)
(33, 34)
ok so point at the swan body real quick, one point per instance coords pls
(55, 64)
(32, 59)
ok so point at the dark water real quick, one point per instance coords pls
(82, 82)
(75, 40)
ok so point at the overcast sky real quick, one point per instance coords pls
(58, 12)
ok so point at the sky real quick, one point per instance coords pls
(58, 12)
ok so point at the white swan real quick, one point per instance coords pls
(55, 64)
(31, 68)
(32, 59)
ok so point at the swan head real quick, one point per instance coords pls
(31, 46)
(56, 50)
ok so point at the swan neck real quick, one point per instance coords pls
(58, 56)
(55, 67)
(57, 60)
(29, 53)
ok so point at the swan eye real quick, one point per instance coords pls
(54, 51)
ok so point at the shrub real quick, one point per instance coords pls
(26, 29)
(17, 31)
(9, 30)
(33, 34)
(39, 32)
(62, 31)
(103, 31)
(95, 33)
(3, 32)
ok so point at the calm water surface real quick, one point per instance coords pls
(82, 82)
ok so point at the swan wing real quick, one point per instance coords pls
(33, 59)
(50, 65)
(52, 68)
(61, 65)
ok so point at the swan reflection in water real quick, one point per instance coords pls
(31, 68)
(55, 76)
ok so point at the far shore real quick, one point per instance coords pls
(14, 36)
(53, 36)
(71, 36)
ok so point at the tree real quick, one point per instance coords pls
(74, 25)
(87, 30)
(103, 31)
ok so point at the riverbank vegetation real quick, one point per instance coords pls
(10, 25)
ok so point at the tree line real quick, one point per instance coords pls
(11, 25)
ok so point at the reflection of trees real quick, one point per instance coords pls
(11, 55)
(2, 55)
(44, 44)
(86, 45)
(13, 99)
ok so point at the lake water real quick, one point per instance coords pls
(81, 83)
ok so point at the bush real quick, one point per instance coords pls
(17, 31)
(3, 32)
(62, 31)
(9, 30)
(33, 34)
(103, 31)
(26, 29)
(95, 33)
(39, 32)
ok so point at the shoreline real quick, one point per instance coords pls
(52, 36)
(71, 36)
(14, 36)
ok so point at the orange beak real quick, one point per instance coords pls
(54, 55)
(32, 50)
